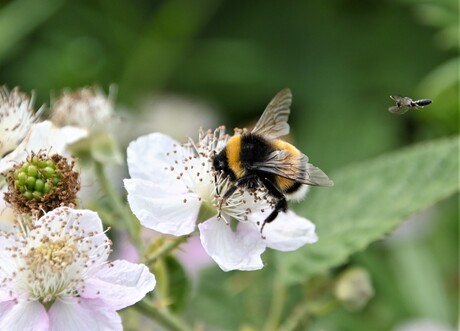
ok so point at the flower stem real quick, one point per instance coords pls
(163, 317)
(116, 202)
(164, 249)
(276, 309)
(305, 311)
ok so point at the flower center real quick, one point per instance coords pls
(48, 269)
(196, 172)
(54, 256)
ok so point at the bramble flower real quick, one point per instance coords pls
(16, 118)
(173, 187)
(87, 107)
(54, 275)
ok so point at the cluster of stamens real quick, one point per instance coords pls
(53, 257)
(192, 165)
(16, 117)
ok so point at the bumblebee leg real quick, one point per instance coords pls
(281, 204)
(240, 182)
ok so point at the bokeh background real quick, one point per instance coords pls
(177, 65)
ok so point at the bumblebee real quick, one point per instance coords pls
(259, 157)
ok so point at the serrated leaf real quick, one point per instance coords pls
(369, 200)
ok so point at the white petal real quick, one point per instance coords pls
(78, 222)
(42, 136)
(76, 314)
(7, 214)
(148, 159)
(120, 285)
(162, 211)
(232, 250)
(30, 316)
(287, 232)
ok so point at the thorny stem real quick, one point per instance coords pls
(128, 218)
(164, 249)
(163, 317)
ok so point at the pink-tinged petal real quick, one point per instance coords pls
(120, 285)
(43, 136)
(287, 232)
(150, 157)
(78, 222)
(161, 211)
(77, 314)
(232, 250)
(24, 316)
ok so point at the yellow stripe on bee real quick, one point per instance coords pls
(233, 156)
(280, 144)
(284, 183)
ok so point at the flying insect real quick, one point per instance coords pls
(403, 104)
(259, 157)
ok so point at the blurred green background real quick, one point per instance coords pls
(342, 59)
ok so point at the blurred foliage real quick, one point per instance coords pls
(342, 59)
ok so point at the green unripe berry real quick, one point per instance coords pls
(32, 170)
(48, 172)
(30, 182)
(55, 180)
(25, 166)
(22, 177)
(39, 184)
(37, 194)
(46, 188)
(42, 164)
(28, 195)
(51, 164)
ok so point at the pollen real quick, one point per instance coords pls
(52, 257)
(55, 255)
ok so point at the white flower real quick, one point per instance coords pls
(55, 276)
(42, 136)
(16, 118)
(87, 107)
(171, 184)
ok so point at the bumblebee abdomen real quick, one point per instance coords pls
(285, 184)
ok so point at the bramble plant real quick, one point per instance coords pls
(55, 251)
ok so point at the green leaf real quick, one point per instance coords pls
(179, 284)
(369, 200)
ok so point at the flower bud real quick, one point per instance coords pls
(354, 289)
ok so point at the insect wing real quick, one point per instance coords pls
(273, 122)
(403, 104)
(398, 110)
(296, 168)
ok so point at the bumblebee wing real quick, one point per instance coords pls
(296, 168)
(273, 122)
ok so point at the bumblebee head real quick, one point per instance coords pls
(220, 161)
